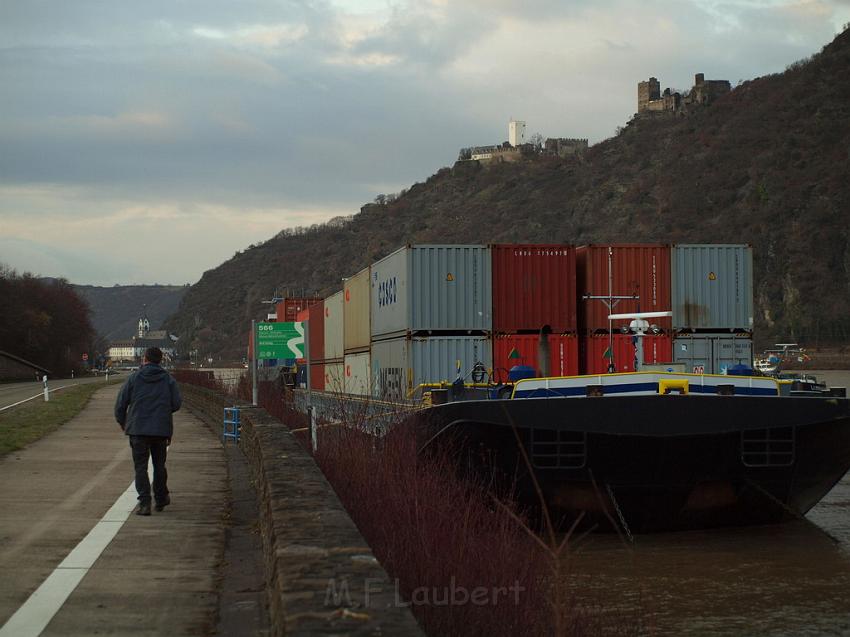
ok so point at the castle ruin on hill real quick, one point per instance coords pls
(651, 101)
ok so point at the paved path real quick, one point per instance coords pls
(158, 576)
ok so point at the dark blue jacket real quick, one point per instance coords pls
(146, 402)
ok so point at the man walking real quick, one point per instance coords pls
(144, 410)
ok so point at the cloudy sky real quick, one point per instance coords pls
(147, 142)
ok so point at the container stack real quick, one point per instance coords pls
(357, 334)
(534, 309)
(712, 303)
(430, 316)
(620, 279)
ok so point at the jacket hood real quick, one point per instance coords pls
(151, 373)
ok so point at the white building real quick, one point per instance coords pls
(516, 133)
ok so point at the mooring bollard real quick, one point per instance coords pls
(46, 390)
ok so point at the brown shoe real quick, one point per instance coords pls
(144, 508)
(161, 505)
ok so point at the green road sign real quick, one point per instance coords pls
(280, 340)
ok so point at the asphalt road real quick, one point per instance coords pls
(12, 393)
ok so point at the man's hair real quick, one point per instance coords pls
(153, 355)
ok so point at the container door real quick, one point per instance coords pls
(695, 352)
(390, 363)
(435, 359)
(449, 288)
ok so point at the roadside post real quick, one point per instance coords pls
(46, 390)
(314, 427)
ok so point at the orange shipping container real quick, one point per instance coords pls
(656, 349)
(563, 354)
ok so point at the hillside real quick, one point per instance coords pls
(766, 164)
(115, 311)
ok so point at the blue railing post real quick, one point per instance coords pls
(231, 424)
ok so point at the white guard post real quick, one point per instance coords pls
(639, 326)
(46, 390)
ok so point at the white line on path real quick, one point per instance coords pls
(39, 395)
(34, 615)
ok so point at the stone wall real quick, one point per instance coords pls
(321, 576)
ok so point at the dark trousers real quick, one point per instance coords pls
(145, 447)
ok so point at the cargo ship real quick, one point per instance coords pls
(650, 451)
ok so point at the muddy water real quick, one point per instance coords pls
(785, 579)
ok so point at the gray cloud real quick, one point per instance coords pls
(292, 112)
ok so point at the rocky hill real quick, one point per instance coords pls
(766, 164)
(115, 311)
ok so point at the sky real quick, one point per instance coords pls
(149, 142)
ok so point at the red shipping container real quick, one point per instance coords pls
(288, 309)
(656, 349)
(642, 269)
(563, 354)
(317, 331)
(317, 377)
(534, 286)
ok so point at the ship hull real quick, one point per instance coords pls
(650, 463)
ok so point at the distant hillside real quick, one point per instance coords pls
(115, 311)
(766, 164)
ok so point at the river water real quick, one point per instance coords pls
(784, 579)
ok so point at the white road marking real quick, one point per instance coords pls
(35, 614)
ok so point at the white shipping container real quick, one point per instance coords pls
(356, 312)
(400, 365)
(432, 288)
(335, 377)
(357, 374)
(333, 327)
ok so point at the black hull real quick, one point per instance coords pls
(656, 462)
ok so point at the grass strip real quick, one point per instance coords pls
(27, 423)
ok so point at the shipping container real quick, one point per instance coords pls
(356, 312)
(522, 349)
(431, 288)
(400, 365)
(288, 309)
(358, 374)
(712, 287)
(625, 270)
(334, 327)
(656, 349)
(316, 331)
(334, 376)
(712, 353)
(534, 286)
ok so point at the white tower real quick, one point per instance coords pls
(516, 133)
(144, 327)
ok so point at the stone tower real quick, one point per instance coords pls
(648, 91)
